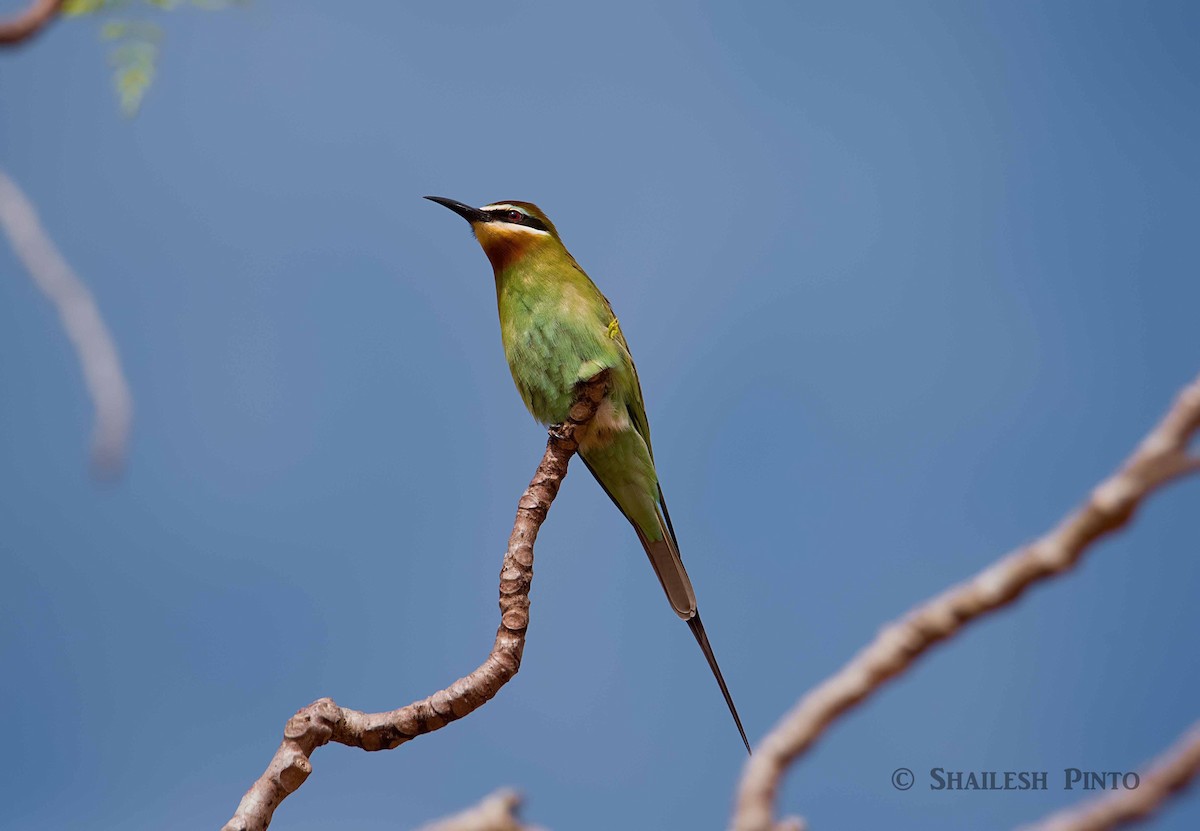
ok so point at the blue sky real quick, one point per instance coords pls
(903, 281)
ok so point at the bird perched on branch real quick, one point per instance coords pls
(559, 330)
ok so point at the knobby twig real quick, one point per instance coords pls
(81, 319)
(1160, 458)
(324, 721)
(496, 813)
(29, 22)
(1169, 773)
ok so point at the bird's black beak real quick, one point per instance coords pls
(468, 213)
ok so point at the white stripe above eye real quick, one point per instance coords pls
(514, 228)
(504, 206)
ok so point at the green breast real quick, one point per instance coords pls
(555, 328)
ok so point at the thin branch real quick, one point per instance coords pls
(496, 813)
(81, 319)
(29, 22)
(1161, 457)
(324, 721)
(1168, 774)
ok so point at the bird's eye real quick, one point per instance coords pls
(514, 216)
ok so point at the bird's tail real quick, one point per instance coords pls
(697, 628)
(668, 566)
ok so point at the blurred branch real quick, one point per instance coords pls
(1169, 773)
(1160, 458)
(496, 813)
(80, 318)
(29, 22)
(324, 721)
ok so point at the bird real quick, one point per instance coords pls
(558, 330)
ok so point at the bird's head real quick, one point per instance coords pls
(506, 230)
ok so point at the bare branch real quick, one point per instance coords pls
(324, 721)
(1169, 773)
(496, 813)
(1160, 458)
(29, 22)
(81, 319)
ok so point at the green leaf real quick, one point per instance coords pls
(132, 83)
(134, 57)
(114, 30)
(78, 7)
(133, 53)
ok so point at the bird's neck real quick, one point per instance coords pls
(506, 249)
(542, 261)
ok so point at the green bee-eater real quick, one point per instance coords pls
(558, 330)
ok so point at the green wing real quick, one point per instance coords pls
(635, 405)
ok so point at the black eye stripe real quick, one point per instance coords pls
(502, 215)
